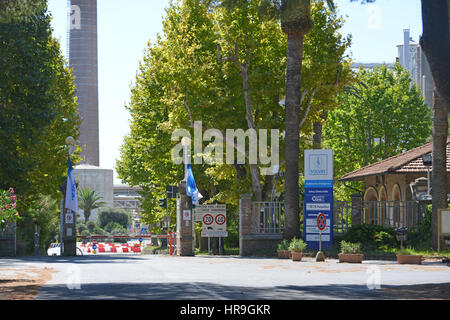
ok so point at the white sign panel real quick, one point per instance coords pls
(186, 215)
(445, 222)
(69, 217)
(318, 206)
(213, 218)
(319, 164)
(201, 210)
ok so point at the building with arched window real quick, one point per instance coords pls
(394, 186)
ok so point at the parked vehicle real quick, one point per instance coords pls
(54, 249)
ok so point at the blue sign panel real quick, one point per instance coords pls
(318, 198)
(318, 201)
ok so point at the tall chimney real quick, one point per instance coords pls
(83, 60)
(406, 49)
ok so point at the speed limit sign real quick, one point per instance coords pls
(220, 219)
(208, 219)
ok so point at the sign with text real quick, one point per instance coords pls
(213, 218)
(318, 200)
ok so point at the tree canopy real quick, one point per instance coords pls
(225, 68)
(38, 108)
(381, 115)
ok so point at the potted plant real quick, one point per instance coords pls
(283, 250)
(296, 247)
(407, 256)
(350, 252)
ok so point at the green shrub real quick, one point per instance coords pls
(406, 251)
(372, 237)
(107, 215)
(90, 225)
(350, 248)
(283, 245)
(297, 245)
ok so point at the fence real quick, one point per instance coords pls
(393, 214)
(270, 218)
(8, 240)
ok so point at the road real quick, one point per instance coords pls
(153, 277)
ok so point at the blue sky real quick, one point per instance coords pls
(125, 27)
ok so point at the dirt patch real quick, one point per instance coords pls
(23, 283)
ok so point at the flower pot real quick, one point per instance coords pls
(350, 257)
(296, 256)
(409, 259)
(284, 254)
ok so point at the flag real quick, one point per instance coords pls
(71, 190)
(191, 188)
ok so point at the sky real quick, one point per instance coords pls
(125, 27)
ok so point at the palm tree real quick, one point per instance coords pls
(88, 200)
(295, 23)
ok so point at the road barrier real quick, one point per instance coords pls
(109, 247)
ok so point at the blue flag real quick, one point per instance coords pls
(71, 190)
(191, 188)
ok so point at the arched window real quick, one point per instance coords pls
(397, 218)
(382, 207)
(370, 205)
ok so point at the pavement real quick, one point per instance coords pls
(162, 277)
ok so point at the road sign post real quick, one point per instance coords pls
(318, 198)
(321, 224)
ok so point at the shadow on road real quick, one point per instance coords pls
(77, 259)
(207, 291)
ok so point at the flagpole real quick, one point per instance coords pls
(69, 142)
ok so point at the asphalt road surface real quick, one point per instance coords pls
(153, 277)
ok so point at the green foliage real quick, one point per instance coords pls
(114, 226)
(422, 237)
(406, 251)
(41, 216)
(350, 247)
(372, 237)
(37, 103)
(194, 72)
(375, 119)
(283, 245)
(8, 210)
(297, 245)
(90, 225)
(89, 200)
(113, 217)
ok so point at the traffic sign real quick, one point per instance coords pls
(208, 219)
(321, 221)
(220, 219)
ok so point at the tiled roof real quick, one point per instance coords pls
(407, 162)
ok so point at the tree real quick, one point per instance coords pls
(111, 216)
(88, 200)
(435, 42)
(37, 103)
(226, 67)
(380, 116)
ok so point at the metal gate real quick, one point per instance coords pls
(8, 240)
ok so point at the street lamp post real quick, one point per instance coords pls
(428, 162)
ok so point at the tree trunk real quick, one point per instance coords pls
(292, 104)
(435, 42)
(439, 175)
(317, 137)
